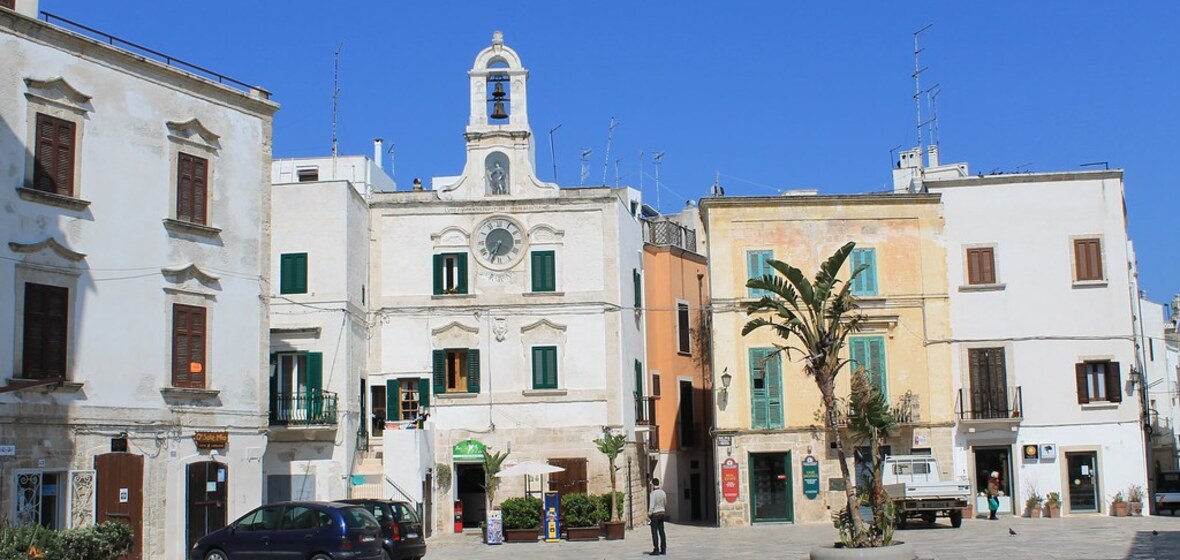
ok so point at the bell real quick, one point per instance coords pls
(499, 91)
(498, 109)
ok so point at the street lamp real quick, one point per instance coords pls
(726, 379)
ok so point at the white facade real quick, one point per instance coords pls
(319, 325)
(1160, 370)
(156, 329)
(1043, 326)
(454, 279)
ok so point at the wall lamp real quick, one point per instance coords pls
(726, 379)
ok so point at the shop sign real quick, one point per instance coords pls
(7, 450)
(810, 477)
(467, 451)
(724, 441)
(211, 440)
(730, 484)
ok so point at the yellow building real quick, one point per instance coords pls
(769, 435)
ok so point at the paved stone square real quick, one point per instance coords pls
(1073, 538)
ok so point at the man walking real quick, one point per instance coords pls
(656, 505)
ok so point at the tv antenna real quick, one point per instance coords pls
(918, 69)
(610, 131)
(640, 171)
(392, 151)
(585, 166)
(658, 158)
(553, 150)
(617, 176)
(932, 98)
(893, 160)
(335, 96)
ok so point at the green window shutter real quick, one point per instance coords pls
(440, 371)
(438, 279)
(473, 370)
(544, 271)
(756, 267)
(544, 367)
(774, 392)
(638, 380)
(315, 380)
(293, 273)
(876, 351)
(759, 405)
(462, 257)
(423, 394)
(392, 400)
(637, 284)
(301, 273)
(276, 400)
(866, 282)
(284, 274)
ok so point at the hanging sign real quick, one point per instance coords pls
(810, 477)
(467, 451)
(730, 484)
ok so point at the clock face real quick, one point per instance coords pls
(499, 242)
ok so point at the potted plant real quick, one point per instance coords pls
(491, 482)
(1135, 499)
(611, 445)
(1032, 504)
(1118, 506)
(812, 320)
(522, 519)
(580, 514)
(1053, 505)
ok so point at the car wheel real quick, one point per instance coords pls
(321, 556)
(216, 555)
(956, 518)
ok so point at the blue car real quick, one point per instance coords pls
(401, 530)
(295, 531)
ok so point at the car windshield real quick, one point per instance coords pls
(403, 513)
(358, 518)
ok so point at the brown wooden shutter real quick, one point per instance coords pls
(1114, 383)
(200, 187)
(1088, 259)
(572, 480)
(981, 266)
(1083, 388)
(46, 321)
(192, 187)
(53, 169)
(188, 346)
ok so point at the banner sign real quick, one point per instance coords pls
(810, 477)
(468, 451)
(730, 484)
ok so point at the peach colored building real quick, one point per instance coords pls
(678, 404)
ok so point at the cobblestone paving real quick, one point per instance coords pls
(1074, 538)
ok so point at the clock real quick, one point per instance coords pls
(499, 242)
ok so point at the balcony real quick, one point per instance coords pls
(907, 411)
(990, 405)
(666, 232)
(310, 408)
(645, 411)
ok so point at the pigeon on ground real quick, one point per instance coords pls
(1154, 532)
(1011, 532)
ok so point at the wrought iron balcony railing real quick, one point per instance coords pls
(907, 410)
(645, 411)
(310, 408)
(667, 232)
(990, 404)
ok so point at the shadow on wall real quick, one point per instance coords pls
(46, 478)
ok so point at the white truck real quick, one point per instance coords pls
(913, 483)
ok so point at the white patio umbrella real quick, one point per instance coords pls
(525, 468)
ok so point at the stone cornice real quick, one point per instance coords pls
(454, 325)
(49, 243)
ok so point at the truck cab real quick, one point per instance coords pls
(917, 490)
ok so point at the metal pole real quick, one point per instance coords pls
(630, 498)
(553, 151)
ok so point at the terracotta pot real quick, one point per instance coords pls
(1118, 509)
(521, 535)
(1034, 512)
(581, 533)
(1135, 508)
(1053, 511)
(614, 530)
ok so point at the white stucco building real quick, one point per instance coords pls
(1160, 370)
(319, 331)
(135, 259)
(506, 308)
(1044, 360)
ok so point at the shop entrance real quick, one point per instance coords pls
(1083, 481)
(469, 484)
(987, 461)
(770, 486)
(207, 489)
(119, 494)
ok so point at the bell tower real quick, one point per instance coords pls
(501, 158)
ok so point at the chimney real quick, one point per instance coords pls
(932, 155)
(377, 152)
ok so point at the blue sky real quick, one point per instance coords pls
(773, 95)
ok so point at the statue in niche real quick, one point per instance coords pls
(497, 179)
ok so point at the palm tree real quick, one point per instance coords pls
(813, 320)
(870, 420)
(491, 466)
(611, 446)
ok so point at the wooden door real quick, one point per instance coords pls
(989, 383)
(208, 483)
(572, 480)
(120, 494)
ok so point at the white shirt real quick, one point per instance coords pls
(657, 502)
